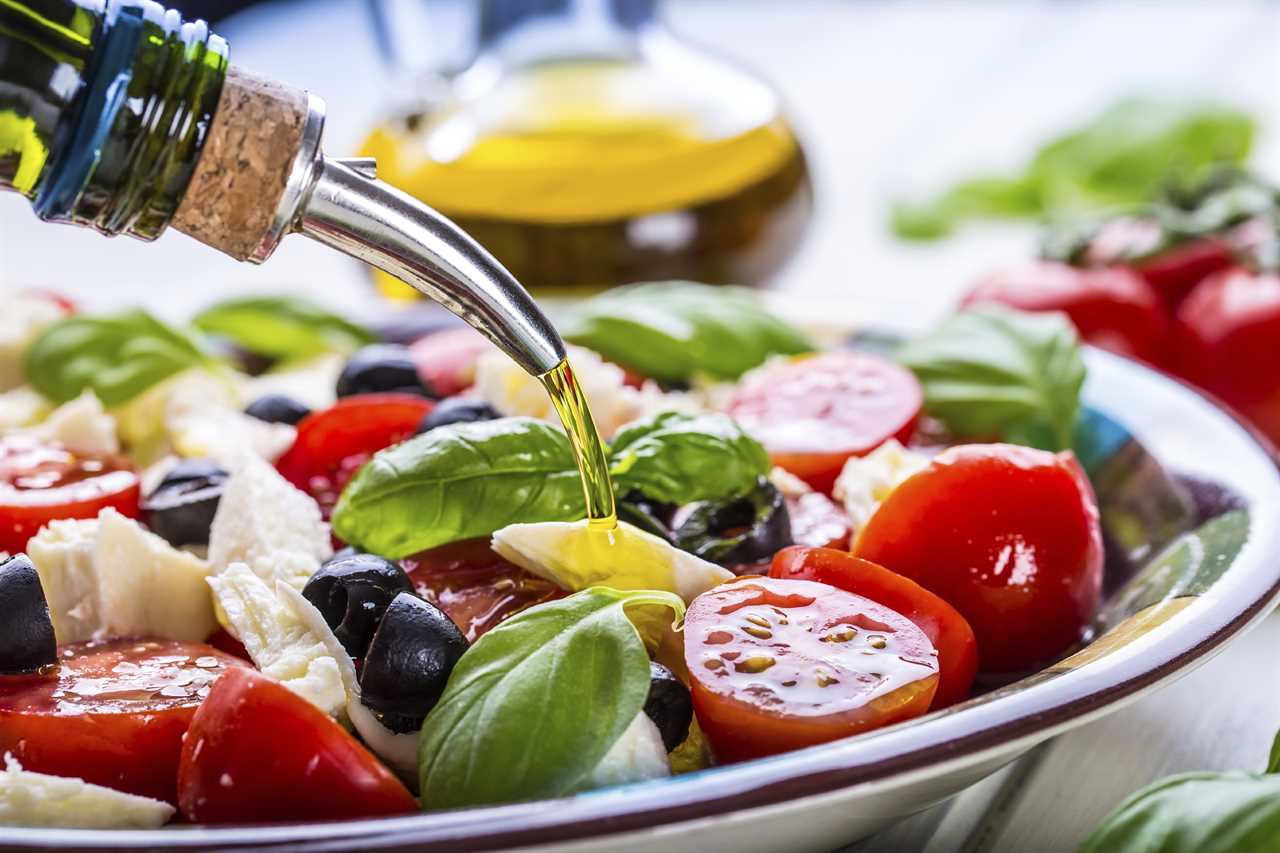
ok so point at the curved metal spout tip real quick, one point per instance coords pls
(357, 214)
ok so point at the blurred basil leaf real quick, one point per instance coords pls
(282, 327)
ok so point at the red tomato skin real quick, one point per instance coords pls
(100, 739)
(1111, 307)
(1009, 536)
(945, 628)
(446, 360)
(818, 522)
(843, 403)
(257, 752)
(1174, 273)
(738, 729)
(1228, 334)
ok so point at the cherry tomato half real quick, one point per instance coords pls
(475, 586)
(333, 444)
(446, 360)
(41, 482)
(112, 713)
(777, 665)
(1228, 333)
(945, 628)
(813, 412)
(1008, 536)
(257, 751)
(1111, 307)
(1175, 272)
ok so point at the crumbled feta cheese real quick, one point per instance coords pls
(787, 483)
(25, 317)
(221, 432)
(267, 524)
(636, 756)
(21, 407)
(82, 426)
(866, 481)
(282, 644)
(312, 383)
(38, 799)
(110, 577)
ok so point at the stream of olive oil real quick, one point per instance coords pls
(593, 466)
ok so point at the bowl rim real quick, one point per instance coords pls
(959, 735)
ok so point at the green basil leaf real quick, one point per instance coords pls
(457, 482)
(282, 327)
(679, 458)
(1273, 761)
(674, 330)
(993, 371)
(117, 356)
(536, 703)
(1195, 813)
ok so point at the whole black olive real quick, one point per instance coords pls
(457, 410)
(277, 409)
(26, 632)
(409, 661)
(669, 705)
(744, 530)
(181, 508)
(352, 594)
(380, 368)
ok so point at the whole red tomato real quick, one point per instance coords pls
(1009, 536)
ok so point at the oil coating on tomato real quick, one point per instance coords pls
(1008, 536)
(41, 482)
(945, 628)
(813, 412)
(777, 665)
(257, 751)
(112, 713)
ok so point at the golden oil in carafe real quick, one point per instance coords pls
(584, 174)
(589, 451)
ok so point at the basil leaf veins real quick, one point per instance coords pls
(282, 327)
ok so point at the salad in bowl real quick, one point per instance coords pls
(276, 566)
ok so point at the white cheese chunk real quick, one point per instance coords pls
(267, 524)
(144, 422)
(22, 406)
(81, 425)
(866, 481)
(399, 751)
(638, 755)
(37, 799)
(198, 426)
(110, 577)
(312, 383)
(25, 317)
(282, 644)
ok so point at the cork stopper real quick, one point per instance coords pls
(257, 131)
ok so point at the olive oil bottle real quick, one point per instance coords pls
(586, 147)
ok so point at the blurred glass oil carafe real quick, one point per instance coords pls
(585, 147)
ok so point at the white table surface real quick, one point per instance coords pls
(889, 96)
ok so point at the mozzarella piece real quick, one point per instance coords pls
(25, 317)
(574, 557)
(281, 644)
(220, 431)
(638, 755)
(81, 425)
(21, 407)
(312, 383)
(267, 524)
(866, 481)
(110, 577)
(37, 799)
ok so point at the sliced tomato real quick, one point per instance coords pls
(475, 586)
(257, 751)
(777, 665)
(334, 443)
(1008, 536)
(945, 628)
(817, 521)
(41, 482)
(1173, 273)
(112, 713)
(227, 644)
(1228, 333)
(813, 412)
(1111, 307)
(446, 360)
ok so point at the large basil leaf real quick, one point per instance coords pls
(995, 372)
(1197, 813)
(674, 457)
(535, 704)
(672, 331)
(460, 481)
(282, 327)
(117, 356)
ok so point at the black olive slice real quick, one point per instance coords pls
(26, 628)
(744, 530)
(380, 368)
(409, 661)
(650, 516)
(458, 410)
(669, 705)
(352, 593)
(277, 409)
(181, 508)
